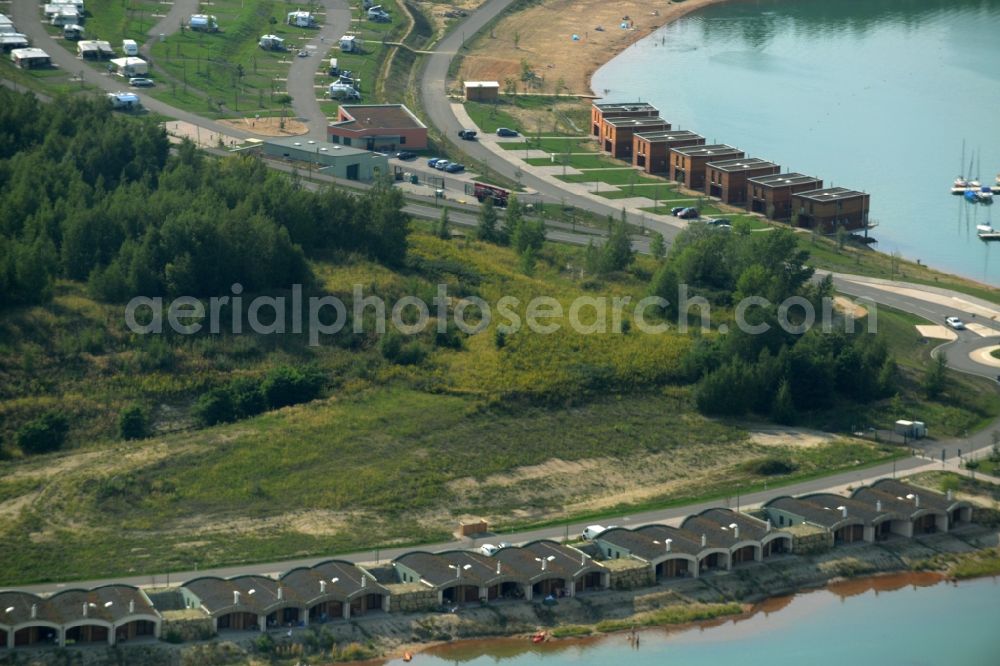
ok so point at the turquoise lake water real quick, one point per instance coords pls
(937, 625)
(875, 95)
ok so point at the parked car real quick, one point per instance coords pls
(455, 167)
(442, 165)
(676, 210)
(505, 131)
(433, 161)
(488, 549)
(467, 134)
(721, 222)
(406, 155)
(141, 82)
(955, 323)
(688, 214)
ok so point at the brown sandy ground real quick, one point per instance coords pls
(542, 35)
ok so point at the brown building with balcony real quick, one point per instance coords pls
(651, 150)
(727, 179)
(617, 133)
(827, 209)
(688, 164)
(772, 195)
(598, 112)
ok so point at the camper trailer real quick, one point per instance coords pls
(66, 15)
(90, 49)
(30, 58)
(130, 47)
(301, 19)
(73, 32)
(204, 23)
(340, 90)
(378, 14)
(13, 40)
(129, 67)
(271, 43)
(124, 101)
(334, 67)
(350, 44)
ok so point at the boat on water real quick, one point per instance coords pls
(987, 233)
(985, 195)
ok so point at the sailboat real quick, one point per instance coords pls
(984, 194)
(961, 185)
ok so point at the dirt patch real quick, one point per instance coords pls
(543, 35)
(268, 126)
(936, 332)
(847, 307)
(315, 522)
(794, 437)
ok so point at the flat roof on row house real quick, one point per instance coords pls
(378, 116)
(782, 179)
(636, 122)
(665, 136)
(625, 107)
(706, 151)
(830, 194)
(740, 164)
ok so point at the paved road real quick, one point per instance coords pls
(934, 304)
(301, 73)
(179, 11)
(439, 112)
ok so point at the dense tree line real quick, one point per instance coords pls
(86, 194)
(777, 373)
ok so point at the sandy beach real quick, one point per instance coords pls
(543, 37)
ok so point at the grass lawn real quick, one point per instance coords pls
(552, 145)
(610, 176)
(661, 192)
(575, 161)
(489, 117)
(115, 21)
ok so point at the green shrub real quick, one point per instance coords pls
(247, 397)
(285, 386)
(215, 407)
(770, 467)
(133, 423)
(44, 434)
(264, 643)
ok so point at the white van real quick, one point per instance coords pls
(591, 532)
(129, 47)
